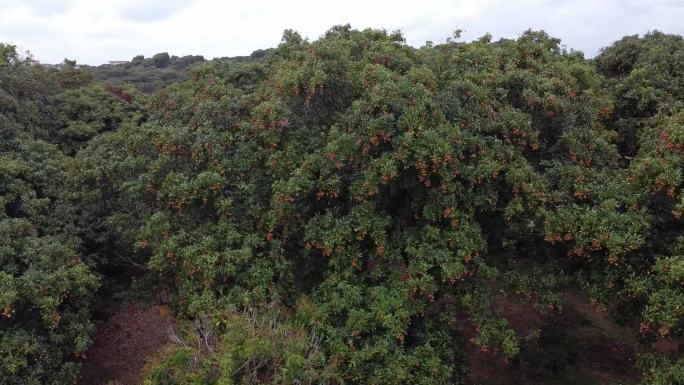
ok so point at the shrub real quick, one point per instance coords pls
(248, 347)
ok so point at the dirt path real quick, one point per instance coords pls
(124, 341)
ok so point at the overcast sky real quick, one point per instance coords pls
(94, 31)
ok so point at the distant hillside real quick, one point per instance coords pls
(153, 73)
(147, 74)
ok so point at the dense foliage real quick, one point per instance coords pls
(347, 210)
(45, 289)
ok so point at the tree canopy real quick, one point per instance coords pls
(350, 210)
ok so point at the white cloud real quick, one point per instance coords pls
(148, 11)
(94, 32)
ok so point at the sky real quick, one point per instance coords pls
(95, 31)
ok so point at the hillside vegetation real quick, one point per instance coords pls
(350, 210)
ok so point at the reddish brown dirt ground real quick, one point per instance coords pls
(125, 340)
(607, 351)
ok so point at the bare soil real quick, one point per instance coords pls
(126, 338)
(606, 351)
